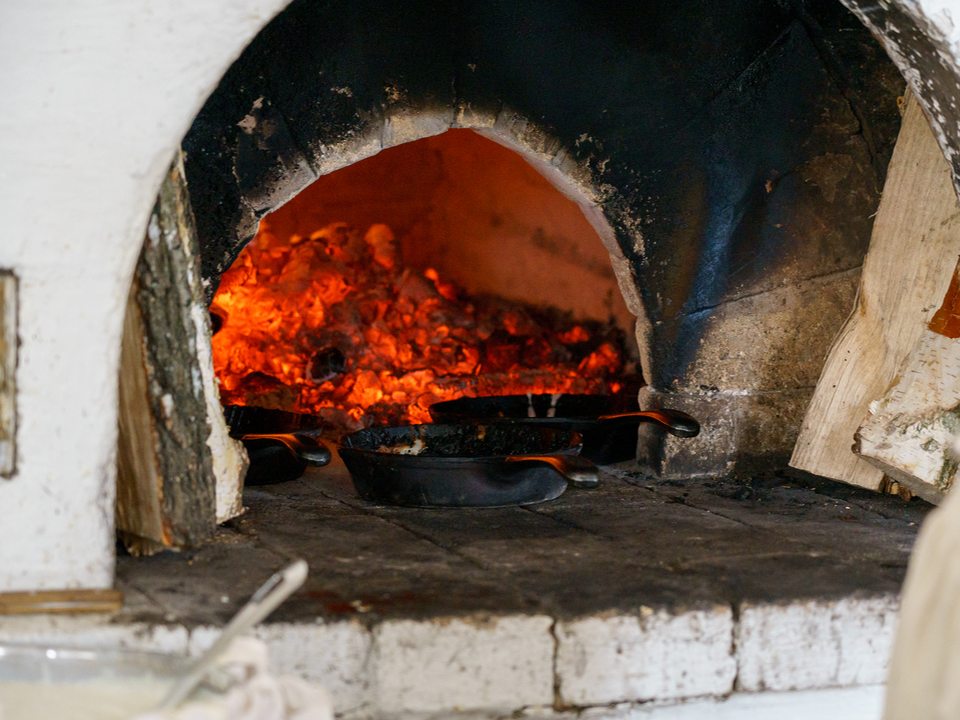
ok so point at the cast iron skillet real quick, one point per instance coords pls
(280, 445)
(278, 457)
(609, 431)
(470, 465)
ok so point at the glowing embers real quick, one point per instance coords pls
(335, 325)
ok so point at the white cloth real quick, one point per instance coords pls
(254, 694)
(924, 681)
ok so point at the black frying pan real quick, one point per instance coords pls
(608, 427)
(471, 465)
(280, 445)
(278, 457)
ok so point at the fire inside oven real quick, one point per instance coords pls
(713, 167)
(442, 268)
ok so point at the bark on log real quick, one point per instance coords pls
(179, 473)
(906, 273)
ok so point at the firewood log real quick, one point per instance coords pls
(179, 472)
(907, 271)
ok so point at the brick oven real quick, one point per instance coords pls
(722, 163)
(728, 158)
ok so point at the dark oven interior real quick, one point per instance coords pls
(677, 192)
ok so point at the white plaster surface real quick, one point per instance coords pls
(96, 98)
(815, 644)
(611, 659)
(448, 664)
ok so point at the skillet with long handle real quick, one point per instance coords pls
(278, 457)
(608, 428)
(280, 445)
(466, 465)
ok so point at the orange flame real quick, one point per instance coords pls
(335, 325)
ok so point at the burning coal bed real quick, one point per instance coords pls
(335, 325)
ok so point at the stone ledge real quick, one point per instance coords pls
(641, 592)
(504, 664)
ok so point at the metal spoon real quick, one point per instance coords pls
(264, 601)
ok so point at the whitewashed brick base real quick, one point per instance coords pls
(652, 656)
(604, 664)
(807, 645)
(500, 663)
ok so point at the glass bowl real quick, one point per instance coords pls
(38, 681)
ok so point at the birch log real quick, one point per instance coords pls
(906, 274)
(179, 472)
(909, 434)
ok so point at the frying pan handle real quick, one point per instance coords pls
(674, 422)
(308, 450)
(578, 471)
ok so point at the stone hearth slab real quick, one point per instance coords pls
(639, 591)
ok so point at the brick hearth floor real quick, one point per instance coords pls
(618, 600)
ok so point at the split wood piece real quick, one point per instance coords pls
(906, 273)
(179, 472)
(60, 602)
(909, 434)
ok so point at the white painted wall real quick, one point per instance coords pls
(95, 98)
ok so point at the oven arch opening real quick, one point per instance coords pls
(712, 184)
(453, 208)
